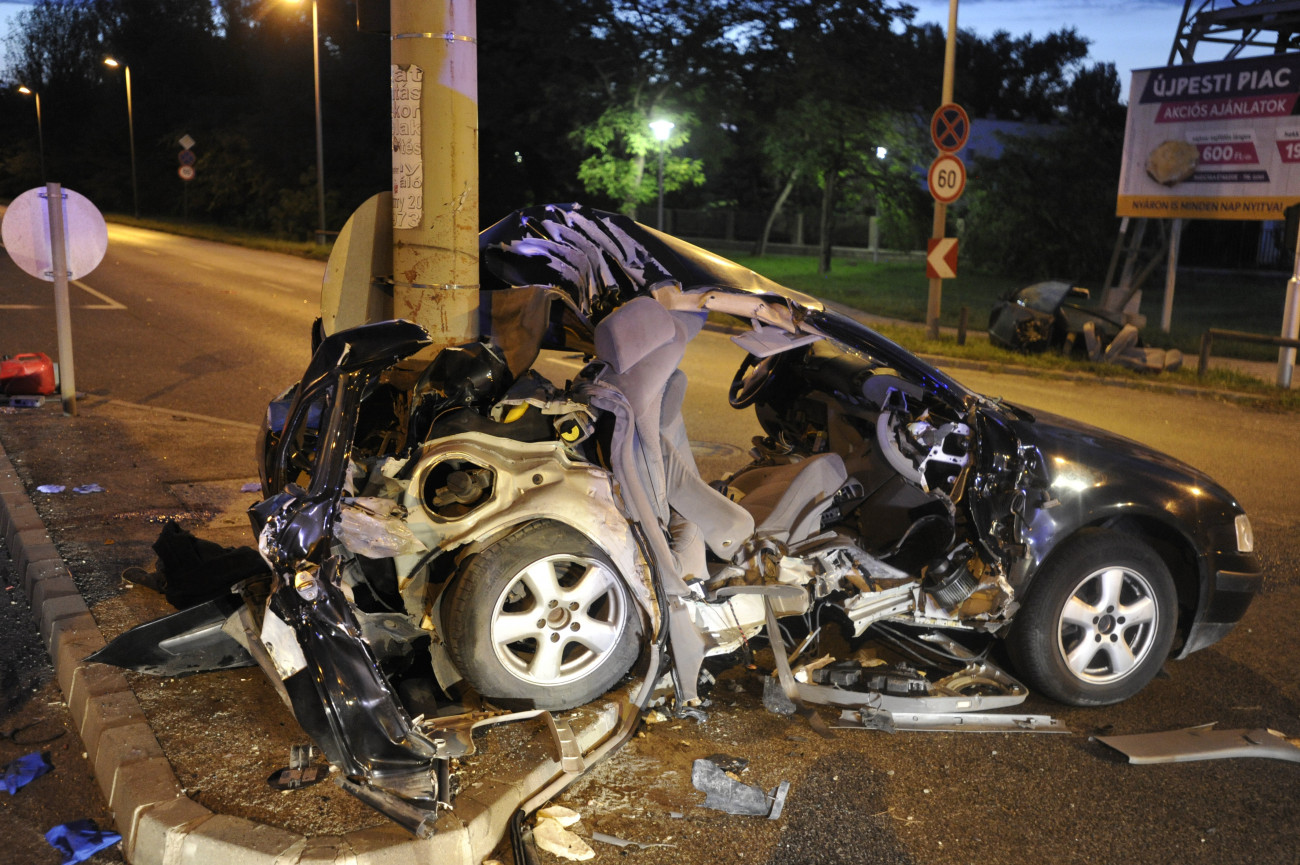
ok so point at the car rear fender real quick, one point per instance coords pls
(529, 481)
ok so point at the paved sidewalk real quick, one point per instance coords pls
(149, 464)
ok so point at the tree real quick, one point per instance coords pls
(1046, 207)
(839, 84)
(622, 142)
(1005, 77)
(651, 59)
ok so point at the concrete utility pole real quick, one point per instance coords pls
(435, 167)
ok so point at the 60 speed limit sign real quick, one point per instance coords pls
(947, 178)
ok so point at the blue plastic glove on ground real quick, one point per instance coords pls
(23, 771)
(79, 840)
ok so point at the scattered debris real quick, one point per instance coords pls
(24, 770)
(566, 817)
(1204, 743)
(949, 722)
(300, 772)
(51, 489)
(725, 793)
(79, 840)
(623, 842)
(162, 515)
(87, 489)
(13, 403)
(251, 487)
(550, 836)
(729, 764)
(1124, 350)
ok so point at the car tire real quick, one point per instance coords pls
(1097, 622)
(541, 619)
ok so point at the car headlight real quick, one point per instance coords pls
(1245, 535)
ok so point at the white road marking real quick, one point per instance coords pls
(108, 302)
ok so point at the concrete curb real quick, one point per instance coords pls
(158, 823)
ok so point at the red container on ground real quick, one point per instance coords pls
(28, 373)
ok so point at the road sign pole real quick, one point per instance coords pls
(62, 308)
(941, 210)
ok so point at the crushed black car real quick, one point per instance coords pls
(536, 542)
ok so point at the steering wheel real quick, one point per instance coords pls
(887, 432)
(752, 379)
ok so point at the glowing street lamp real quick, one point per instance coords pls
(130, 126)
(662, 129)
(40, 132)
(320, 141)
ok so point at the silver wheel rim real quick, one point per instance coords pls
(1108, 625)
(558, 619)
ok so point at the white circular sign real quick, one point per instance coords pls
(26, 234)
(186, 172)
(947, 178)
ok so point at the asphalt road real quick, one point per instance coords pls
(196, 327)
(175, 323)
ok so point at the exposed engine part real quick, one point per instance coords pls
(949, 580)
(454, 487)
(463, 487)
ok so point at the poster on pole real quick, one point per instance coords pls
(1213, 140)
(408, 152)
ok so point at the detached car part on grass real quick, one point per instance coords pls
(530, 542)
(1047, 315)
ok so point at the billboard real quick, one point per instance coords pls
(1213, 140)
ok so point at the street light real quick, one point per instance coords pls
(130, 127)
(40, 132)
(661, 129)
(320, 139)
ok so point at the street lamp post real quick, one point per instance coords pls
(130, 126)
(320, 138)
(40, 131)
(661, 129)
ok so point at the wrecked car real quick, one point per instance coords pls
(1049, 316)
(535, 542)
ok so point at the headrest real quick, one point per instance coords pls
(628, 334)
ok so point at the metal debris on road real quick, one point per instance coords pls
(623, 842)
(948, 722)
(725, 793)
(1204, 743)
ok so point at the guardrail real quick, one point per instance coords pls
(1207, 340)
